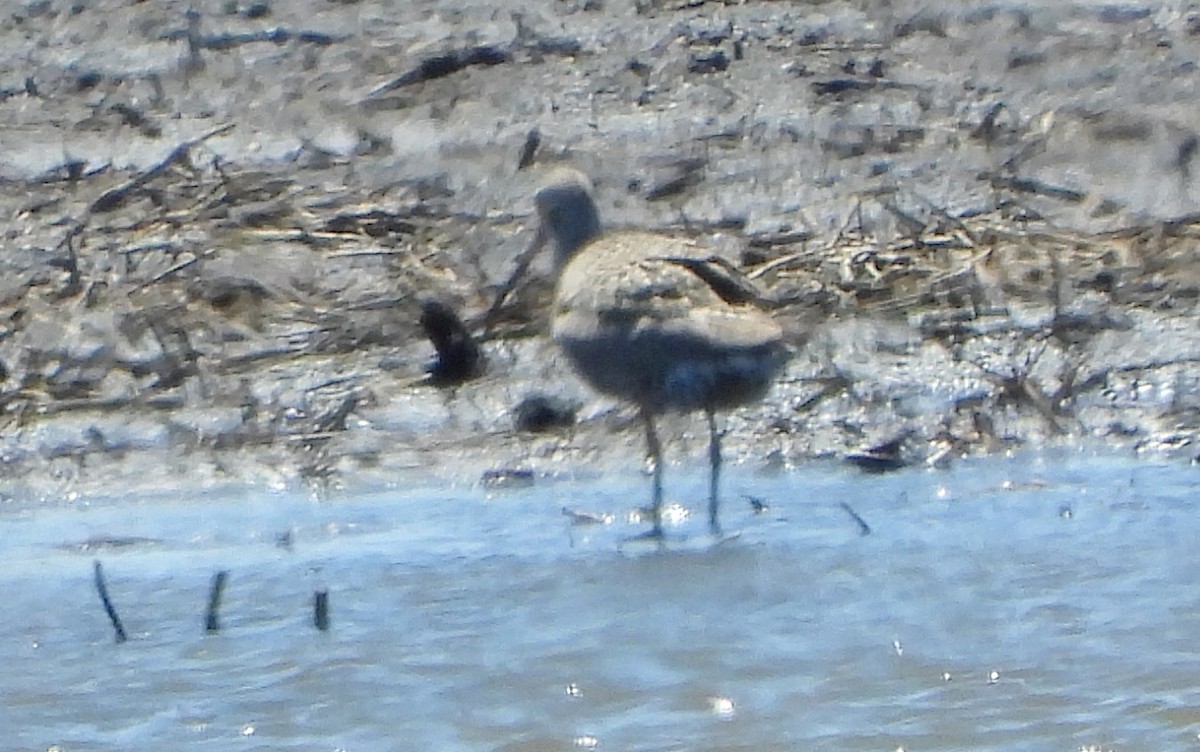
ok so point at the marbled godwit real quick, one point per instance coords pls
(654, 320)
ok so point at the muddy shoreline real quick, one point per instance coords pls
(978, 223)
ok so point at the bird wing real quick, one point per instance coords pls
(621, 279)
(633, 280)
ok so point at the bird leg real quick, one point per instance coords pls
(714, 459)
(654, 452)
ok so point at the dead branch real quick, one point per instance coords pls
(115, 198)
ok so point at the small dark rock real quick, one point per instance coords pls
(74, 169)
(88, 80)
(226, 293)
(1104, 281)
(881, 458)
(257, 10)
(560, 46)
(508, 477)
(459, 358)
(930, 23)
(580, 517)
(709, 61)
(447, 63)
(1122, 13)
(1025, 59)
(839, 86)
(686, 173)
(137, 118)
(38, 8)
(537, 413)
(874, 463)
(529, 151)
(109, 542)
(1184, 153)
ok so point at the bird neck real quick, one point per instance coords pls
(571, 236)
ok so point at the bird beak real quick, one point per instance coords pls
(538, 242)
(535, 245)
(522, 265)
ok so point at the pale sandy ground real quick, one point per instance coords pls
(981, 212)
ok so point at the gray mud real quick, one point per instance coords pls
(977, 220)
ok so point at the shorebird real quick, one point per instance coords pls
(655, 320)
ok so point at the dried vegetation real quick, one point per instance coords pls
(228, 304)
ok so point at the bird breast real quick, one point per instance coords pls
(638, 325)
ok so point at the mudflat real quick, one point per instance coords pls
(976, 222)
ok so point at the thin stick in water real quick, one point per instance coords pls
(108, 606)
(863, 527)
(212, 621)
(321, 610)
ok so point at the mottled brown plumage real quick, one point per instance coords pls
(649, 318)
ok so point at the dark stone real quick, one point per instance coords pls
(257, 10)
(88, 80)
(881, 458)
(839, 86)
(539, 412)
(529, 150)
(459, 358)
(508, 477)
(709, 61)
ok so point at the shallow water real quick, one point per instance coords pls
(1043, 602)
